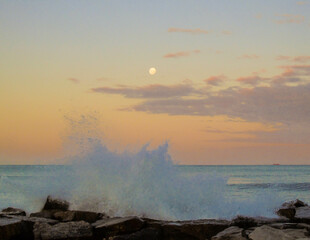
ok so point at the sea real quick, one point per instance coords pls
(156, 188)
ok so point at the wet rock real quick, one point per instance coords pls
(68, 216)
(45, 214)
(294, 204)
(62, 231)
(288, 212)
(288, 209)
(117, 226)
(268, 233)
(13, 211)
(144, 234)
(53, 203)
(13, 228)
(244, 222)
(231, 233)
(197, 229)
(302, 214)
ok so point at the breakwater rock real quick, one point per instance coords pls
(56, 221)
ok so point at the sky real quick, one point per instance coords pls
(232, 84)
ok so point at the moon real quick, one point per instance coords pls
(152, 71)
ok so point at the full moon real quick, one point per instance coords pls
(152, 71)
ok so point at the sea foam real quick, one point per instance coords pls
(143, 183)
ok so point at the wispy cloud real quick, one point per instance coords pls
(74, 80)
(252, 80)
(215, 80)
(302, 3)
(293, 59)
(274, 101)
(249, 56)
(191, 31)
(226, 32)
(149, 91)
(290, 18)
(181, 54)
(258, 16)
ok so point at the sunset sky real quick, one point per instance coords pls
(232, 84)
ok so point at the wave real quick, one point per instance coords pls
(144, 183)
(278, 186)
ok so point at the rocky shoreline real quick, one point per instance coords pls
(56, 221)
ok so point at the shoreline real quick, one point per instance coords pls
(56, 221)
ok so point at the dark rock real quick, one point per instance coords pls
(231, 233)
(288, 209)
(144, 234)
(294, 204)
(45, 213)
(244, 222)
(268, 233)
(248, 222)
(63, 231)
(288, 212)
(117, 226)
(68, 216)
(53, 203)
(13, 211)
(13, 228)
(196, 229)
(302, 214)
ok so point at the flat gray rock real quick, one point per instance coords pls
(62, 231)
(231, 233)
(269, 233)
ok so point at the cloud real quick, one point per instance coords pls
(252, 80)
(299, 59)
(225, 32)
(290, 18)
(215, 80)
(74, 80)
(249, 56)
(283, 98)
(191, 31)
(258, 16)
(302, 3)
(266, 104)
(149, 91)
(181, 54)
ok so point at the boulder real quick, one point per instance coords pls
(196, 229)
(45, 213)
(13, 211)
(244, 222)
(117, 226)
(144, 234)
(288, 209)
(68, 216)
(288, 212)
(63, 231)
(268, 233)
(53, 203)
(13, 228)
(302, 214)
(231, 233)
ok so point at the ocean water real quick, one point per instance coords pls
(127, 184)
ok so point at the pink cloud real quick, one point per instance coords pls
(225, 32)
(74, 80)
(249, 56)
(181, 54)
(252, 80)
(214, 80)
(290, 18)
(191, 31)
(294, 59)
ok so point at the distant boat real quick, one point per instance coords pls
(276, 164)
